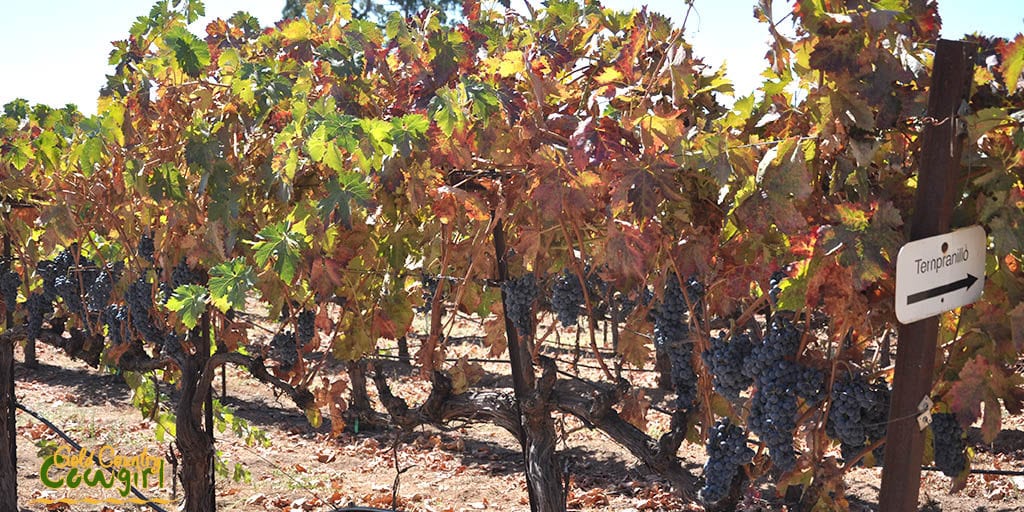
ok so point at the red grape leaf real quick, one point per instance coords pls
(982, 381)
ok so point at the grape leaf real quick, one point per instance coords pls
(189, 301)
(283, 243)
(190, 52)
(982, 381)
(1013, 62)
(229, 283)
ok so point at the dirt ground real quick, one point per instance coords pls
(468, 468)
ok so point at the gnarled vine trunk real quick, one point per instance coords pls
(543, 471)
(195, 442)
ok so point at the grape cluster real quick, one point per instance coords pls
(9, 283)
(69, 291)
(671, 335)
(305, 326)
(727, 452)
(48, 270)
(780, 382)
(725, 361)
(519, 294)
(114, 317)
(773, 413)
(146, 248)
(810, 385)
(97, 296)
(181, 275)
(948, 443)
(567, 298)
(284, 350)
(627, 303)
(171, 346)
(781, 342)
(139, 303)
(38, 307)
(858, 414)
(429, 284)
(774, 282)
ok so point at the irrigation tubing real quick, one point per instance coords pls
(76, 446)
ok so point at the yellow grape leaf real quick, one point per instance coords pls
(511, 63)
(314, 417)
(608, 75)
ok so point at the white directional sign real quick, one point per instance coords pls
(940, 273)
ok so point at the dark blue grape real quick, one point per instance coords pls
(182, 275)
(567, 298)
(948, 443)
(69, 291)
(38, 307)
(725, 359)
(9, 283)
(98, 294)
(858, 413)
(284, 350)
(146, 248)
(727, 452)
(114, 317)
(429, 284)
(305, 326)
(781, 342)
(671, 335)
(139, 304)
(518, 295)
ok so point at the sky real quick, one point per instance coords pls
(55, 51)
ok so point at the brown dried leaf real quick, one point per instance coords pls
(634, 409)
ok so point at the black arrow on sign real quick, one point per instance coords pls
(964, 283)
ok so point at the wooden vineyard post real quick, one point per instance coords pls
(8, 434)
(938, 174)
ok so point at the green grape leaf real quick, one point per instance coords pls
(283, 244)
(316, 143)
(347, 186)
(406, 130)
(189, 301)
(229, 283)
(446, 109)
(165, 422)
(20, 154)
(191, 53)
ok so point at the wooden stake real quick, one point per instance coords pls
(938, 176)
